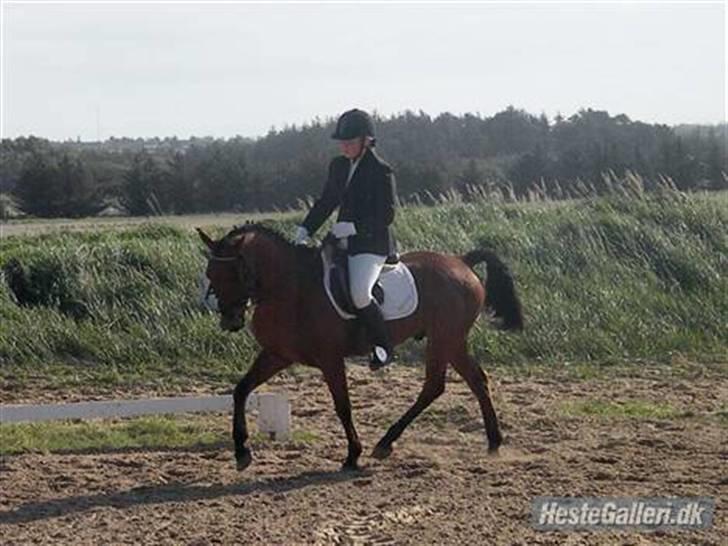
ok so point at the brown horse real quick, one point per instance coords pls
(294, 322)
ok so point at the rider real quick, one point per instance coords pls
(363, 187)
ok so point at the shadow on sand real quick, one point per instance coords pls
(174, 492)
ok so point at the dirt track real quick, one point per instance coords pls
(439, 486)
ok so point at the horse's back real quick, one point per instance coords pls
(448, 264)
(445, 281)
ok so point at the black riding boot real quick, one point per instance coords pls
(373, 320)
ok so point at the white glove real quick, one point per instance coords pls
(343, 229)
(301, 237)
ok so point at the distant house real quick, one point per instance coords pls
(111, 211)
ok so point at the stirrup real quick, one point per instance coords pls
(379, 358)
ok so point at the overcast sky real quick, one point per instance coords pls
(142, 70)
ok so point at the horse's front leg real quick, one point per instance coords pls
(335, 377)
(265, 366)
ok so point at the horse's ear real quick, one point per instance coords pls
(205, 238)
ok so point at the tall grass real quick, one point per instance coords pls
(630, 275)
(602, 279)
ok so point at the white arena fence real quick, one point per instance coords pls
(274, 410)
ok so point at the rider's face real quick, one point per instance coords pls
(352, 148)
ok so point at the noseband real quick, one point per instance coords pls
(246, 276)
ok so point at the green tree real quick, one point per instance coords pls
(141, 185)
(180, 184)
(37, 190)
(716, 160)
(223, 176)
(79, 196)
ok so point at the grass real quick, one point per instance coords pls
(147, 432)
(676, 366)
(604, 281)
(35, 226)
(625, 409)
(158, 432)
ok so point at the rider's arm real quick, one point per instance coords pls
(330, 197)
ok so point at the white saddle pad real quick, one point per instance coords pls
(400, 290)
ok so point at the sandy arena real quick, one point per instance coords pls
(438, 487)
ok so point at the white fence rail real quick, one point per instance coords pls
(274, 410)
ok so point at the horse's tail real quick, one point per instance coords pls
(500, 292)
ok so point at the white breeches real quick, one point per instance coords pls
(364, 271)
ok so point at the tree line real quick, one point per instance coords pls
(511, 151)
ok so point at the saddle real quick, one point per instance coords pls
(395, 290)
(340, 287)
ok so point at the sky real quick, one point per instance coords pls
(97, 70)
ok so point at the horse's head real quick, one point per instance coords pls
(231, 278)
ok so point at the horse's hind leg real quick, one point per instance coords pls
(477, 380)
(434, 386)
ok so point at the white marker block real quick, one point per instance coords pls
(274, 415)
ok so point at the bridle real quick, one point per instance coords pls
(246, 276)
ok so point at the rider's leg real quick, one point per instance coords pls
(364, 271)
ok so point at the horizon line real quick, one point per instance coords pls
(330, 119)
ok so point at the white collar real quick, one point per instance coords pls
(353, 164)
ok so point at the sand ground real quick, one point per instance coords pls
(438, 487)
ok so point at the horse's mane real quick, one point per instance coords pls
(306, 256)
(257, 228)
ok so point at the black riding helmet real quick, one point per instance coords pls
(352, 124)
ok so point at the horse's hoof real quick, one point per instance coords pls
(350, 467)
(243, 460)
(493, 451)
(381, 452)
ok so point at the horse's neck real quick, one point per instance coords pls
(274, 266)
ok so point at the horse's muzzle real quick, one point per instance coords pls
(233, 321)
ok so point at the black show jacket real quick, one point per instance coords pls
(368, 200)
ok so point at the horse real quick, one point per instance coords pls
(294, 322)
